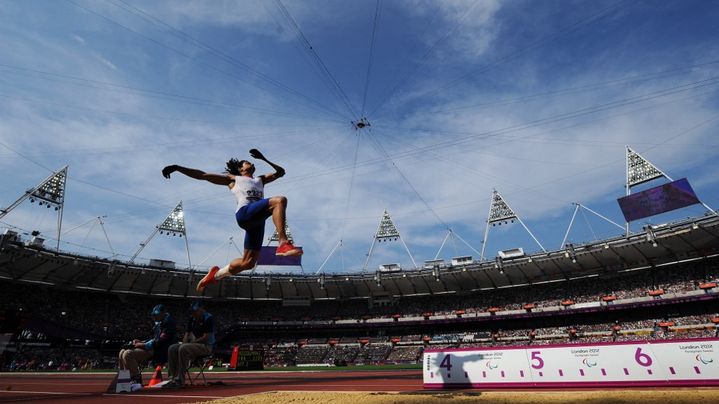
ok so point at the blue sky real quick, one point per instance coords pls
(535, 99)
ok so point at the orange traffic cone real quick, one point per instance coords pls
(156, 377)
(233, 359)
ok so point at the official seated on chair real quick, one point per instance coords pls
(199, 340)
(154, 350)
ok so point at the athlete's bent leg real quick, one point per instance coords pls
(237, 265)
(278, 207)
(247, 261)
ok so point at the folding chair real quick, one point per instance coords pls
(148, 366)
(202, 363)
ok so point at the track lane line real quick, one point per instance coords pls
(51, 393)
(130, 395)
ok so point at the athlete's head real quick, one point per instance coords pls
(240, 167)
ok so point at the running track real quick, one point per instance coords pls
(91, 387)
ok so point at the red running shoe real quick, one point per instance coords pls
(207, 279)
(288, 250)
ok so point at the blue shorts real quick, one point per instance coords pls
(252, 219)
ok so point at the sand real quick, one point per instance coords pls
(658, 396)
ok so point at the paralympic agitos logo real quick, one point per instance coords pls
(703, 360)
(589, 363)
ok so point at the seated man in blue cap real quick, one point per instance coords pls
(199, 340)
(164, 333)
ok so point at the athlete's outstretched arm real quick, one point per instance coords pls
(219, 179)
(279, 171)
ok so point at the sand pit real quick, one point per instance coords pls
(658, 396)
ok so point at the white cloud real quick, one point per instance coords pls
(106, 62)
(252, 16)
(467, 28)
(79, 39)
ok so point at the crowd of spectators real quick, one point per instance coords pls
(280, 356)
(33, 358)
(405, 354)
(120, 316)
(373, 354)
(674, 279)
(342, 354)
(291, 353)
(99, 316)
(311, 354)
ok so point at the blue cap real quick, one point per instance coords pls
(157, 310)
(196, 306)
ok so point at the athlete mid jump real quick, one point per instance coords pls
(252, 211)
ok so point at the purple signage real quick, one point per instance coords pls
(268, 257)
(653, 201)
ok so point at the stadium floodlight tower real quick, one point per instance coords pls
(174, 224)
(640, 171)
(50, 193)
(386, 231)
(500, 212)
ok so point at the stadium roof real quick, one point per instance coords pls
(691, 239)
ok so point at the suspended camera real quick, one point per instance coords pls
(361, 123)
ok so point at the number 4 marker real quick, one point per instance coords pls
(446, 363)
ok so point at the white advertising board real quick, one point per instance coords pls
(690, 362)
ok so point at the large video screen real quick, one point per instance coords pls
(268, 257)
(653, 201)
